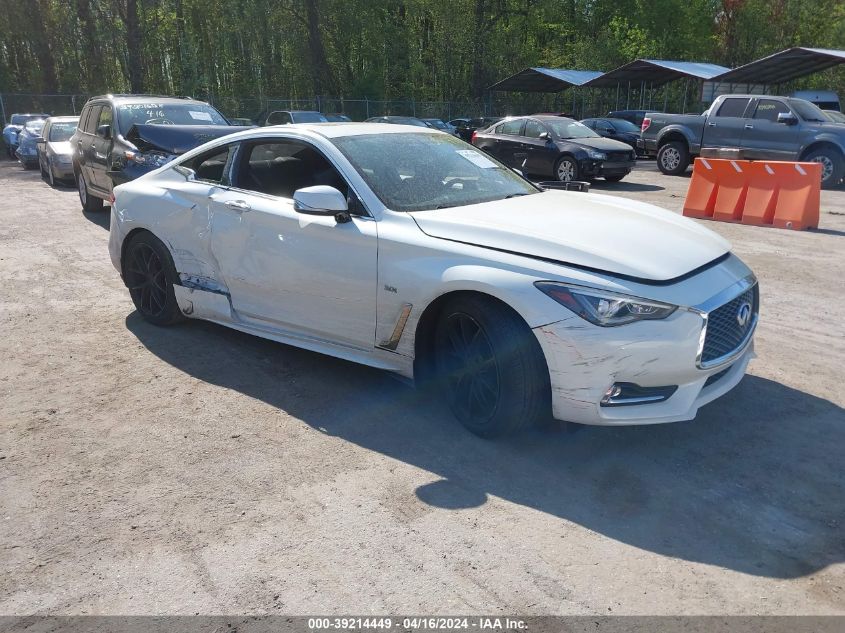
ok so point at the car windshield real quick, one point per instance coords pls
(20, 119)
(308, 117)
(60, 132)
(153, 113)
(436, 123)
(419, 172)
(808, 111)
(622, 125)
(34, 127)
(567, 128)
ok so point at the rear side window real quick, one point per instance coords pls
(733, 107)
(769, 109)
(105, 117)
(511, 128)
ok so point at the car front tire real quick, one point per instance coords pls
(491, 367)
(566, 169)
(150, 275)
(90, 204)
(833, 166)
(614, 178)
(673, 158)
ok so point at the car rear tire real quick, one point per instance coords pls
(90, 204)
(566, 169)
(833, 165)
(614, 178)
(491, 367)
(149, 273)
(673, 158)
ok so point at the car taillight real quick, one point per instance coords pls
(474, 135)
(646, 123)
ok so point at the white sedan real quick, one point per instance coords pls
(407, 249)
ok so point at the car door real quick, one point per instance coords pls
(507, 144)
(101, 145)
(725, 127)
(541, 152)
(299, 274)
(764, 137)
(85, 140)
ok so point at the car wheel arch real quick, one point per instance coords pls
(426, 325)
(821, 144)
(672, 136)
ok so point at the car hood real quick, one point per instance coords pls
(603, 233)
(599, 143)
(61, 148)
(177, 139)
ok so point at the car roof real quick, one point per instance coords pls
(127, 98)
(333, 130)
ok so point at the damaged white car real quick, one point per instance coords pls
(406, 249)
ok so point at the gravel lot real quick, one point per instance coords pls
(199, 470)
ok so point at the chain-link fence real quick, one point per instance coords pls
(252, 107)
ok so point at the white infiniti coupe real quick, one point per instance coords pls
(407, 249)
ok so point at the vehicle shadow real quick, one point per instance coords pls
(603, 185)
(100, 218)
(753, 485)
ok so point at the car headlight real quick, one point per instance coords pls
(596, 155)
(148, 159)
(606, 309)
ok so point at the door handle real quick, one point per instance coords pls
(237, 205)
(748, 126)
(711, 125)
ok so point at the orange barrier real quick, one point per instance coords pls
(762, 193)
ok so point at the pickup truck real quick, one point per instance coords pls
(751, 127)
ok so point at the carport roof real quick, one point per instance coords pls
(656, 71)
(545, 80)
(784, 66)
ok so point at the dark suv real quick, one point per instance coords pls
(121, 137)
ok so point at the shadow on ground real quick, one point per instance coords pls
(754, 484)
(611, 187)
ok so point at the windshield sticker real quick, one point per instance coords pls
(200, 116)
(477, 158)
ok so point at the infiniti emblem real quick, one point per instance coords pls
(743, 314)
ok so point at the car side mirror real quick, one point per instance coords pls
(321, 200)
(189, 174)
(544, 136)
(787, 118)
(104, 131)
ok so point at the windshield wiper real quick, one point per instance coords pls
(516, 195)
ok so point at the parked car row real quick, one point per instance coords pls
(396, 245)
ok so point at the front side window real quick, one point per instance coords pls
(105, 116)
(153, 113)
(93, 117)
(421, 172)
(733, 108)
(533, 129)
(279, 167)
(808, 111)
(769, 109)
(211, 166)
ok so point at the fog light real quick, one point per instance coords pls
(627, 393)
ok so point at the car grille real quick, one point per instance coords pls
(619, 157)
(725, 334)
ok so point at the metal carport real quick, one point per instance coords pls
(545, 80)
(783, 66)
(648, 73)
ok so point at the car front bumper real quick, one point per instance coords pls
(585, 360)
(591, 168)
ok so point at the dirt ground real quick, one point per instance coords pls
(198, 470)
